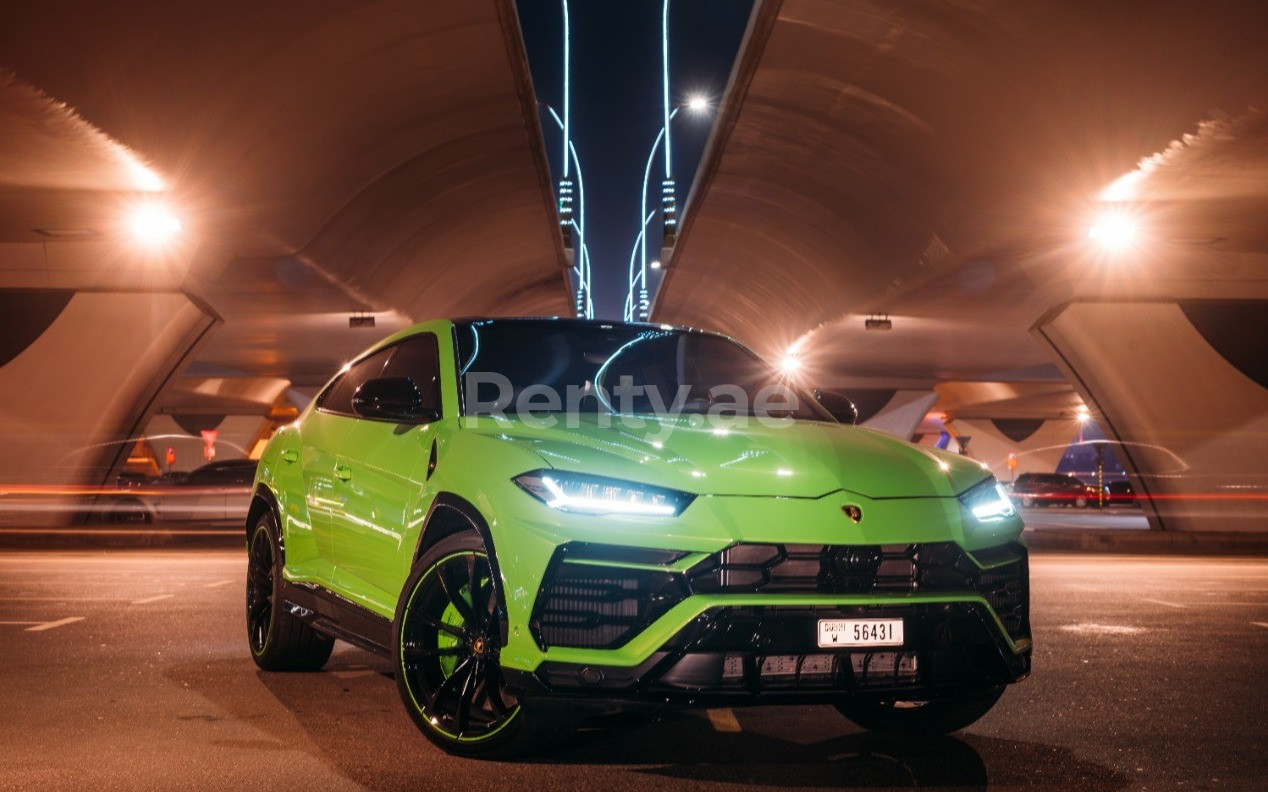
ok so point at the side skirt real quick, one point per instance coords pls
(337, 617)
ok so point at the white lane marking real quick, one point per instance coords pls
(724, 720)
(218, 583)
(350, 674)
(1102, 629)
(1168, 604)
(1261, 624)
(30, 622)
(61, 599)
(52, 624)
(155, 598)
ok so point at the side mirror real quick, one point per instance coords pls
(838, 405)
(393, 399)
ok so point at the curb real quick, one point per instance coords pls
(113, 538)
(1143, 542)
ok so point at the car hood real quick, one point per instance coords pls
(802, 459)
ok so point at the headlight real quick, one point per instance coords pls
(586, 494)
(988, 502)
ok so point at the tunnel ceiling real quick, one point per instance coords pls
(326, 158)
(939, 162)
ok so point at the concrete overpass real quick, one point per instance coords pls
(940, 164)
(376, 159)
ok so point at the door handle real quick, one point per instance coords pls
(290, 456)
(343, 473)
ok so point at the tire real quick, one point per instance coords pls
(1080, 502)
(445, 640)
(278, 640)
(920, 718)
(128, 512)
(1027, 501)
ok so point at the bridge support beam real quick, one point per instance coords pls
(1182, 387)
(82, 377)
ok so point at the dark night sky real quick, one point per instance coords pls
(616, 107)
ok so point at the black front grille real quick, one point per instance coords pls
(599, 607)
(1007, 589)
(594, 605)
(773, 647)
(834, 569)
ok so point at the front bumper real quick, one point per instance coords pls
(749, 623)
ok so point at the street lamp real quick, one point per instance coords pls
(640, 278)
(153, 224)
(565, 183)
(697, 105)
(584, 298)
(1114, 230)
(668, 191)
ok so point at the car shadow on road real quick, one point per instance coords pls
(349, 718)
(684, 746)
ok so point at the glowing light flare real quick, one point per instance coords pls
(153, 224)
(654, 265)
(698, 104)
(1114, 230)
(790, 364)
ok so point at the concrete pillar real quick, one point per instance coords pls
(897, 411)
(1181, 387)
(86, 379)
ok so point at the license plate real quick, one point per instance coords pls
(860, 632)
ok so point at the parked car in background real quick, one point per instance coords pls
(1120, 493)
(1052, 489)
(216, 492)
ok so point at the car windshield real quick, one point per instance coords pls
(516, 366)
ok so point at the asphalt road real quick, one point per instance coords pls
(129, 670)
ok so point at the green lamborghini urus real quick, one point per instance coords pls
(537, 520)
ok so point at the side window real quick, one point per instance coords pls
(338, 397)
(419, 359)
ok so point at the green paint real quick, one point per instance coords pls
(359, 537)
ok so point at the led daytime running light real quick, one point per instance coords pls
(988, 502)
(585, 494)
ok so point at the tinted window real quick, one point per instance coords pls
(594, 359)
(338, 397)
(419, 359)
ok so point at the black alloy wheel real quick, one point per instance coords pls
(448, 639)
(279, 641)
(259, 591)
